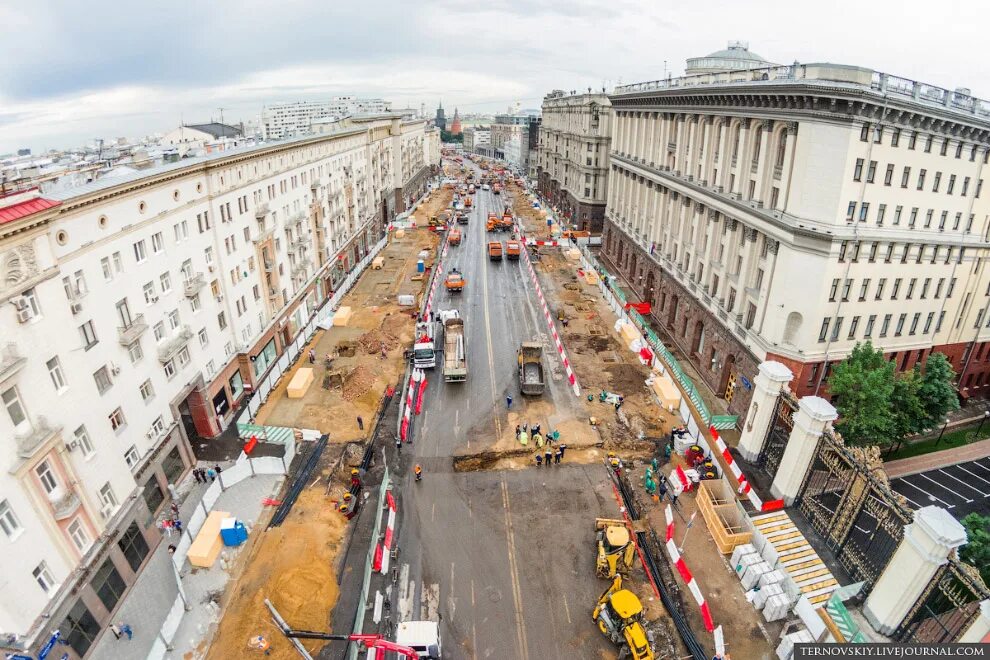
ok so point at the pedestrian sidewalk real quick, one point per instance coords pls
(916, 464)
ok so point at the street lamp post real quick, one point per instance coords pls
(986, 413)
(942, 432)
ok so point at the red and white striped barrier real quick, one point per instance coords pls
(419, 397)
(408, 407)
(571, 377)
(685, 572)
(437, 267)
(745, 488)
(533, 241)
(388, 543)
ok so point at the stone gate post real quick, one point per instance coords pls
(925, 548)
(812, 415)
(979, 630)
(771, 379)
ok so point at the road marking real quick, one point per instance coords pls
(971, 474)
(514, 575)
(980, 465)
(451, 601)
(491, 353)
(470, 511)
(567, 610)
(962, 482)
(474, 631)
(930, 496)
(909, 500)
(925, 476)
(430, 602)
(406, 592)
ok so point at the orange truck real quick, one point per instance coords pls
(497, 189)
(455, 237)
(512, 249)
(455, 281)
(495, 251)
(492, 223)
(468, 202)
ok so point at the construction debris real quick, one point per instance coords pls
(373, 340)
(357, 382)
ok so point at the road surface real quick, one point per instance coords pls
(507, 557)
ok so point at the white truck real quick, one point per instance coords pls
(424, 350)
(454, 350)
(423, 637)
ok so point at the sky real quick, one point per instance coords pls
(74, 71)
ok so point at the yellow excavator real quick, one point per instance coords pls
(619, 617)
(615, 548)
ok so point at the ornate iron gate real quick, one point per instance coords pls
(947, 609)
(780, 430)
(873, 537)
(825, 493)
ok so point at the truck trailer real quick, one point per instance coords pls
(454, 351)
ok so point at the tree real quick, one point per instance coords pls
(863, 385)
(935, 392)
(976, 552)
(906, 405)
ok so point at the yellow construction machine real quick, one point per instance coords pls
(619, 617)
(615, 548)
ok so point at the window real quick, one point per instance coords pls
(166, 282)
(194, 303)
(881, 211)
(897, 215)
(914, 323)
(203, 221)
(945, 147)
(896, 289)
(43, 576)
(942, 219)
(222, 320)
(135, 352)
(925, 287)
(173, 319)
(873, 251)
(941, 317)
(952, 184)
(914, 218)
(864, 289)
(851, 212)
(852, 328)
(959, 148)
(133, 546)
(928, 322)
(107, 270)
(81, 436)
(107, 497)
(938, 287)
(108, 584)
(864, 210)
(46, 477)
(157, 243)
(149, 293)
(855, 252)
(900, 325)
(979, 185)
(905, 177)
(845, 290)
(965, 187)
(928, 144)
(969, 222)
(157, 427)
(834, 290)
(895, 137)
(837, 328)
(957, 221)
(9, 523)
(140, 252)
(147, 390)
(823, 333)
(12, 402)
(890, 252)
(56, 374)
(913, 140)
(864, 133)
(102, 378)
(858, 170)
(928, 218)
(921, 179)
(183, 356)
(79, 628)
(910, 290)
(204, 339)
(169, 368)
(938, 181)
(868, 330)
(116, 418)
(907, 251)
(131, 456)
(877, 133)
(871, 171)
(881, 283)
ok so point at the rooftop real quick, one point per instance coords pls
(216, 129)
(20, 205)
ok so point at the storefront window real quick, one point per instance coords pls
(108, 584)
(173, 466)
(220, 402)
(236, 385)
(265, 358)
(153, 495)
(79, 628)
(133, 546)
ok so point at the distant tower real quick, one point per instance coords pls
(455, 126)
(440, 121)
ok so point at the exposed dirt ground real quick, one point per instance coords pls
(291, 565)
(377, 319)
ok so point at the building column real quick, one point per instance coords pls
(767, 386)
(925, 548)
(813, 414)
(979, 630)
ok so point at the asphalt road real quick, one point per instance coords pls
(506, 557)
(962, 489)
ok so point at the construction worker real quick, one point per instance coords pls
(419, 472)
(557, 455)
(562, 448)
(538, 440)
(539, 460)
(548, 454)
(523, 438)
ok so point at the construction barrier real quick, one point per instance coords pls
(745, 488)
(685, 572)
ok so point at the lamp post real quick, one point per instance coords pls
(986, 414)
(942, 432)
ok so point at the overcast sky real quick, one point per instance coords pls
(73, 71)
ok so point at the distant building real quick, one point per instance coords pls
(734, 58)
(23, 152)
(284, 120)
(455, 126)
(510, 139)
(440, 121)
(195, 137)
(476, 137)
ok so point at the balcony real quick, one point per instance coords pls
(301, 242)
(28, 442)
(64, 503)
(261, 211)
(131, 333)
(193, 285)
(171, 346)
(10, 361)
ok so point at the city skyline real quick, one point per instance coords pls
(62, 86)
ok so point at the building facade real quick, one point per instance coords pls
(136, 313)
(786, 213)
(476, 137)
(572, 164)
(285, 120)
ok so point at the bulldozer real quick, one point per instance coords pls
(615, 548)
(619, 617)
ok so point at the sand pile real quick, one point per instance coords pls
(371, 342)
(358, 382)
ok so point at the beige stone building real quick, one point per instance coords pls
(788, 212)
(572, 163)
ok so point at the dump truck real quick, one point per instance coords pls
(492, 224)
(619, 616)
(455, 237)
(424, 352)
(512, 250)
(462, 218)
(455, 281)
(530, 359)
(468, 202)
(454, 351)
(615, 548)
(495, 250)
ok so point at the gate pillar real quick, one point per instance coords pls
(979, 630)
(925, 548)
(812, 415)
(769, 382)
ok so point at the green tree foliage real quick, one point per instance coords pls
(976, 552)
(877, 406)
(447, 136)
(863, 384)
(935, 392)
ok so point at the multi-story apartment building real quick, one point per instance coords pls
(136, 311)
(788, 212)
(572, 163)
(476, 137)
(282, 120)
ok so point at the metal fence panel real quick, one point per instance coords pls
(196, 521)
(171, 624)
(212, 494)
(267, 465)
(182, 547)
(236, 473)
